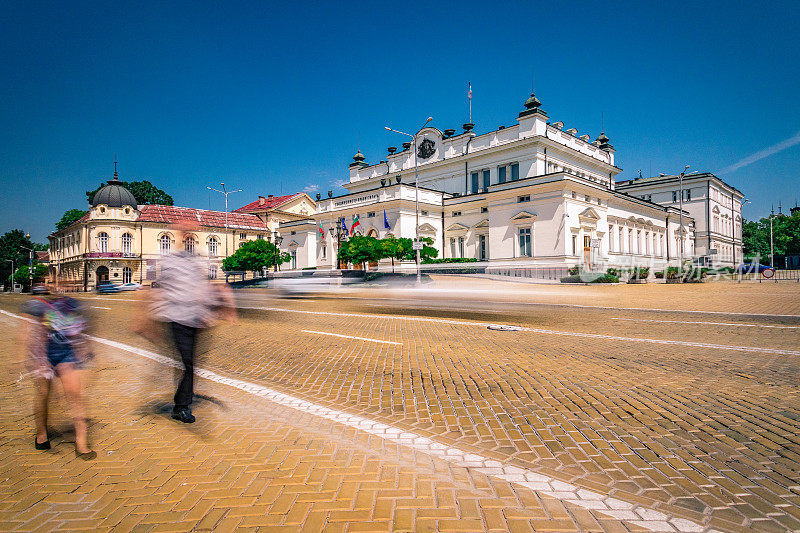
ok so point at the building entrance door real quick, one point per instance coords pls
(482, 247)
(587, 250)
(102, 274)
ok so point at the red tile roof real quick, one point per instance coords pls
(269, 203)
(168, 214)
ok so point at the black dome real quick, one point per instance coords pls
(113, 194)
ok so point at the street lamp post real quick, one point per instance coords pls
(416, 189)
(680, 219)
(337, 230)
(30, 263)
(226, 193)
(771, 247)
(277, 240)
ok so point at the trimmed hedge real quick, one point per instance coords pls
(604, 278)
(441, 260)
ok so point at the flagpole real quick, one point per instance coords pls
(470, 102)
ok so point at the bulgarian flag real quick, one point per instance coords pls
(321, 231)
(355, 223)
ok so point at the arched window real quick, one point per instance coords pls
(213, 246)
(164, 244)
(127, 275)
(102, 241)
(127, 243)
(189, 244)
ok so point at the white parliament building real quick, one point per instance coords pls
(535, 193)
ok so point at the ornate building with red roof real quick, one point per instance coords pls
(120, 242)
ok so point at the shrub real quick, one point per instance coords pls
(573, 270)
(640, 272)
(613, 272)
(602, 278)
(672, 272)
(659, 274)
(431, 261)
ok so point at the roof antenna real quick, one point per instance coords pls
(602, 122)
(115, 166)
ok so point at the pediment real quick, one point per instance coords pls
(482, 224)
(293, 244)
(456, 227)
(523, 217)
(590, 214)
(715, 209)
(427, 228)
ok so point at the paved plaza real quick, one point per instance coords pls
(615, 408)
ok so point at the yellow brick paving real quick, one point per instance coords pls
(704, 434)
(246, 465)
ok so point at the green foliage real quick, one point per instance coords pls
(360, 249)
(429, 261)
(672, 272)
(603, 278)
(640, 272)
(612, 272)
(144, 192)
(253, 256)
(785, 234)
(12, 247)
(659, 274)
(573, 270)
(68, 218)
(22, 275)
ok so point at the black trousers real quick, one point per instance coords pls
(185, 339)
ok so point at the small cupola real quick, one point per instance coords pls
(532, 106)
(114, 194)
(358, 160)
(603, 144)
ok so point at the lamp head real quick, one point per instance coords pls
(387, 128)
(429, 119)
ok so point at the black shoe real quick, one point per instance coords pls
(41, 445)
(183, 414)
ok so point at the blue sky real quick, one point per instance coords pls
(275, 98)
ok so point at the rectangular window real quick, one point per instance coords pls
(620, 243)
(574, 245)
(424, 213)
(515, 172)
(242, 236)
(456, 214)
(525, 242)
(474, 183)
(371, 214)
(260, 236)
(674, 196)
(484, 209)
(452, 246)
(688, 194)
(324, 251)
(482, 247)
(638, 241)
(487, 180)
(501, 174)
(525, 198)
(611, 238)
(461, 247)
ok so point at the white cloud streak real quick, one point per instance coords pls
(761, 154)
(311, 188)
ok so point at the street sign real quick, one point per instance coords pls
(416, 245)
(595, 243)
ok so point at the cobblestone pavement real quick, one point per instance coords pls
(690, 417)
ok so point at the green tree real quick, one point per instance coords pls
(69, 217)
(253, 256)
(22, 275)
(394, 248)
(12, 248)
(785, 236)
(145, 193)
(360, 249)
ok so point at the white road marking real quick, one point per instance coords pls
(707, 323)
(99, 307)
(756, 349)
(545, 485)
(349, 336)
(582, 306)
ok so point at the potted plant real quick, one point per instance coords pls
(672, 275)
(659, 274)
(639, 275)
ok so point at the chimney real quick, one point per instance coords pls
(261, 200)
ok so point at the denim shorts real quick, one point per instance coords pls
(58, 353)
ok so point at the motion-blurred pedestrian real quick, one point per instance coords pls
(187, 303)
(54, 343)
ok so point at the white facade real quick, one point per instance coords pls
(533, 194)
(715, 206)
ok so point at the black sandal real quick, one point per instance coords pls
(41, 445)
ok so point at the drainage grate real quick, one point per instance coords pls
(504, 327)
